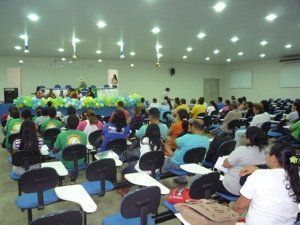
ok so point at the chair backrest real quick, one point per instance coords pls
(194, 155)
(57, 86)
(278, 116)
(265, 127)
(118, 145)
(51, 134)
(106, 119)
(38, 181)
(68, 87)
(207, 121)
(226, 148)
(165, 114)
(67, 217)
(26, 158)
(233, 124)
(74, 153)
(140, 203)
(136, 125)
(12, 137)
(201, 115)
(205, 186)
(214, 113)
(95, 138)
(151, 161)
(101, 170)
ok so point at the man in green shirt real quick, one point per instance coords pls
(13, 125)
(52, 122)
(70, 137)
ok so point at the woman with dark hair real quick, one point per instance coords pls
(179, 128)
(176, 102)
(226, 108)
(271, 195)
(116, 128)
(250, 111)
(251, 154)
(28, 141)
(114, 81)
(211, 108)
(295, 114)
(70, 111)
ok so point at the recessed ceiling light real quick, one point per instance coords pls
(21, 61)
(219, 7)
(159, 55)
(216, 51)
(201, 35)
(271, 17)
(101, 24)
(207, 58)
(234, 39)
(76, 40)
(262, 55)
(241, 53)
(155, 30)
(26, 51)
(17, 47)
(33, 17)
(122, 56)
(263, 43)
(132, 65)
(23, 36)
(228, 60)
(132, 53)
(120, 43)
(99, 60)
(60, 50)
(189, 49)
(184, 57)
(63, 59)
(158, 46)
(288, 46)
(98, 52)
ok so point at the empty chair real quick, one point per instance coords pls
(67, 217)
(136, 207)
(68, 87)
(119, 146)
(203, 187)
(95, 139)
(37, 187)
(77, 155)
(101, 176)
(151, 161)
(194, 155)
(57, 87)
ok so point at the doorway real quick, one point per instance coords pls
(211, 89)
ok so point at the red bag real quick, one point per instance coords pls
(179, 195)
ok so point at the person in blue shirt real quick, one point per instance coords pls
(117, 128)
(220, 104)
(154, 119)
(194, 139)
(164, 107)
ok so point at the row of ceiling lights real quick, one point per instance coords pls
(218, 7)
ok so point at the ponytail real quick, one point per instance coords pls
(286, 157)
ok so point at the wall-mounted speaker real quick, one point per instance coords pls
(172, 71)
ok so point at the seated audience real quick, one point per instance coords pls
(28, 141)
(163, 108)
(182, 105)
(220, 104)
(226, 108)
(50, 94)
(117, 128)
(193, 102)
(249, 112)
(142, 105)
(43, 117)
(61, 94)
(234, 114)
(153, 119)
(70, 111)
(121, 106)
(90, 93)
(153, 104)
(294, 115)
(198, 108)
(271, 196)
(213, 107)
(295, 129)
(52, 122)
(137, 118)
(176, 102)
(179, 128)
(259, 118)
(70, 137)
(251, 154)
(194, 139)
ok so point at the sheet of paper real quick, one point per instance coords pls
(219, 165)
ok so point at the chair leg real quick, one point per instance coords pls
(84, 218)
(29, 215)
(19, 188)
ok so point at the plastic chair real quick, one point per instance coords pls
(203, 187)
(68, 86)
(194, 155)
(24, 158)
(95, 139)
(265, 127)
(152, 161)
(119, 146)
(37, 185)
(67, 217)
(232, 125)
(136, 207)
(50, 136)
(101, 176)
(57, 87)
(74, 153)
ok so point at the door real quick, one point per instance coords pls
(211, 89)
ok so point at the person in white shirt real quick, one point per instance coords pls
(211, 108)
(259, 118)
(272, 195)
(153, 104)
(251, 154)
(294, 115)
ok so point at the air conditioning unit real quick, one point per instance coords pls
(290, 58)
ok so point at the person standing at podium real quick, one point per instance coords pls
(114, 81)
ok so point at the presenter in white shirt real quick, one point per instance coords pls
(271, 195)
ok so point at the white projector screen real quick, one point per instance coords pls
(290, 77)
(241, 79)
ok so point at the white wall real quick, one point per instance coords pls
(145, 79)
(265, 84)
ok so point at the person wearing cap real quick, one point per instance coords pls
(194, 139)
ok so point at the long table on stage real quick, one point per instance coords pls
(104, 111)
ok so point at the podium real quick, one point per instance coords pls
(107, 92)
